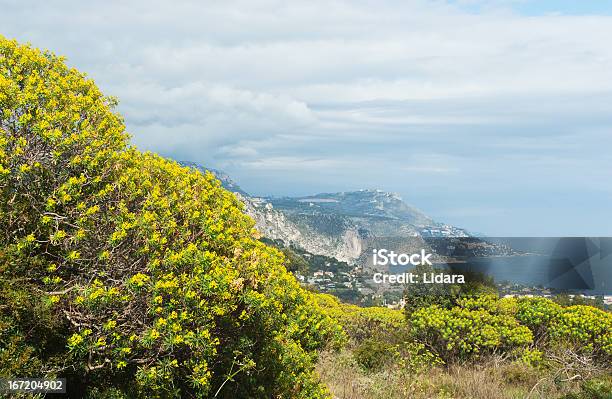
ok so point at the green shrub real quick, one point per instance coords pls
(149, 276)
(421, 295)
(416, 358)
(537, 313)
(531, 357)
(461, 333)
(362, 322)
(519, 373)
(374, 354)
(489, 303)
(482, 324)
(596, 388)
(584, 327)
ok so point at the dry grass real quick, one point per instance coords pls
(487, 380)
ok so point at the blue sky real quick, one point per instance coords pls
(491, 115)
(540, 7)
(567, 7)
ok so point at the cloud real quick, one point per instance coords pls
(426, 98)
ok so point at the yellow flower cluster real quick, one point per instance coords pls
(478, 325)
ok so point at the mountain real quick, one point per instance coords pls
(223, 177)
(338, 225)
(378, 212)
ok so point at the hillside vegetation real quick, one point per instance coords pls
(471, 346)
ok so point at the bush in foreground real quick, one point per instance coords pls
(122, 269)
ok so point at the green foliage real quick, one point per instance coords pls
(374, 354)
(295, 263)
(485, 345)
(531, 357)
(305, 262)
(138, 273)
(519, 373)
(416, 358)
(483, 324)
(478, 325)
(421, 295)
(537, 313)
(566, 300)
(379, 336)
(596, 388)
(584, 327)
(361, 323)
(21, 311)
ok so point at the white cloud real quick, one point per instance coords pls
(297, 87)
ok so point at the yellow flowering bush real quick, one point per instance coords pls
(149, 276)
(479, 324)
(586, 328)
(537, 313)
(462, 332)
(482, 324)
(359, 322)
